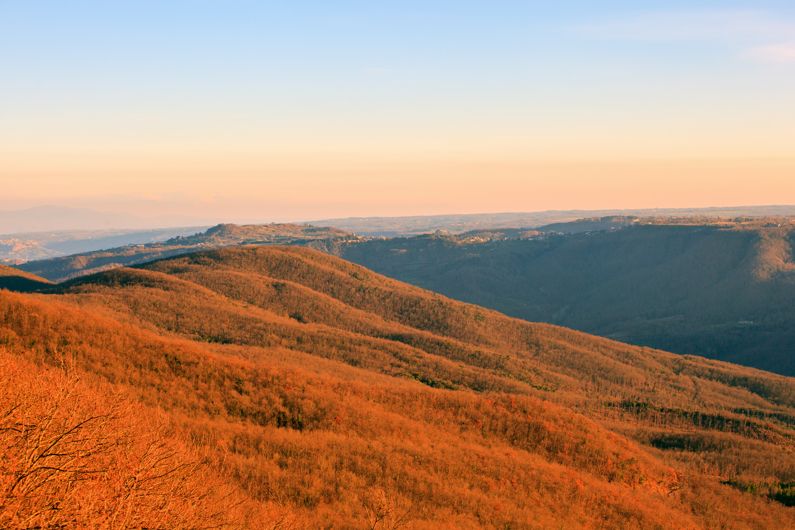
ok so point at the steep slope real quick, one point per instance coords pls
(348, 398)
(340, 443)
(721, 291)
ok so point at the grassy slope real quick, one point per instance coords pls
(338, 392)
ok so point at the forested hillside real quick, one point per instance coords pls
(326, 395)
(723, 290)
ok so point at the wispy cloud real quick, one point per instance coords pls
(757, 35)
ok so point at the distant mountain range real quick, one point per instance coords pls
(46, 232)
(50, 218)
(718, 288)
(63, 268)
(19, 248)
(423, 224)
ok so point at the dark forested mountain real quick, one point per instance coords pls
(322, 394)
(720, 289)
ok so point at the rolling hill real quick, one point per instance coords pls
(722, 289)
(326, 395)
(14, 279)
(707, 286)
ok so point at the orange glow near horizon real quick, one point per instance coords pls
(324, 186)
(326, 114)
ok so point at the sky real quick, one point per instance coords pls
(312, 109)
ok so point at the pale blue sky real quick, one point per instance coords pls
(240, 103)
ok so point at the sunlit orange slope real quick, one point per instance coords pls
(352, 400)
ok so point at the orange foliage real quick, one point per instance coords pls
(75, 455)
(385, 406)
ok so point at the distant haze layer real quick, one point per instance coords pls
(151, 215)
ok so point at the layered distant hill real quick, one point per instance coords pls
(723, 289)
(20, 248)
(62, 268)
(714, 287)
(321, 394)
(424, 224)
